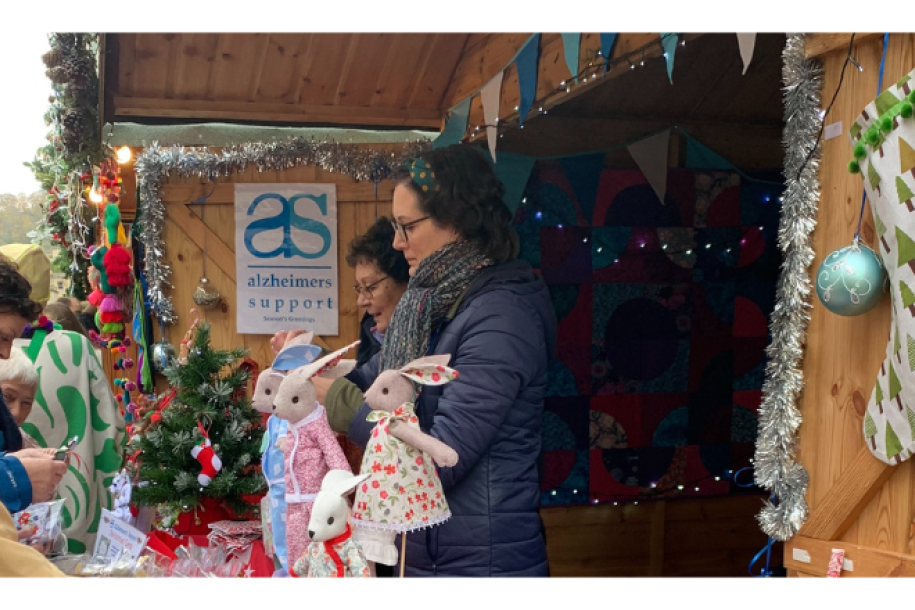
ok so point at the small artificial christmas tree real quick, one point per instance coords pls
(207, 443)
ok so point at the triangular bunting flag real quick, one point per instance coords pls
(526, 64)
(746, 42)
(606, 47)
(455, 126)
(570, 45)
(583, 173)
(669, 42)
(700, 156)
(490, 95)
(514, 172)
(650, 155)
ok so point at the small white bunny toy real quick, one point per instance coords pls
(333, 552)
(404, 492)
(310, 447)
(120, 491)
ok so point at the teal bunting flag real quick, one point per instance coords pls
(606, 47)
(571, 44)
(669, 42)
(700, 156)
(527, 75)
(455, 126)
(513, 171)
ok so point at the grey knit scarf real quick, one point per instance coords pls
(438, 282)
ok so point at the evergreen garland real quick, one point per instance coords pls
(210, 389)
(64, 165)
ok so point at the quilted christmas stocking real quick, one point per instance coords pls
(883, 138)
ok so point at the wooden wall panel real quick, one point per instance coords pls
(357, 209)
(686, 537)
(844, 354)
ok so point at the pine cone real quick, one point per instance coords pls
(78, 69)
(57, 75)
(52, 58)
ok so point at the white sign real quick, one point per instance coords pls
(115, 537)
(286, 258)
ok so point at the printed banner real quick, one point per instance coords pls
(286, 258)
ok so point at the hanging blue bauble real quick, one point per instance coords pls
(851, 281)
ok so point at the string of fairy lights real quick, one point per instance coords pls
(590, 73)
(654, 491)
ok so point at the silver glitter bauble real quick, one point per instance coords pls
(206, 296)
(163, 353)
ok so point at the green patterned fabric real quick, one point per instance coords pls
(888, 168)
(74, 399)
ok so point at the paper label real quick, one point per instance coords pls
(800, 555)
(116, 537)
(832, 131)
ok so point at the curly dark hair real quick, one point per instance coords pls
(15, 291)
(376, 246)
(470, 199)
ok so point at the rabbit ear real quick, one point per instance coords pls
(273, 373)
(442, 359)
(327, 362)
(308, 336)
(430, 374)
(341, 485)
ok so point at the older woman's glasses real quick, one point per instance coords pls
(401, 229)
(370, 289)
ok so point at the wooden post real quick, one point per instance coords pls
(403, 552)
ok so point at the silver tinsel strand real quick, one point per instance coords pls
(775, 465)
(155, 164)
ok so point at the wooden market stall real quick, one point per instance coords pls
(856, 502)
(384, 81)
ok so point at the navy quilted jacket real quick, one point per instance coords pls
(499, 338)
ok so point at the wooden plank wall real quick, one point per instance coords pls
(686, 537)
(844, 354)
(357, 209)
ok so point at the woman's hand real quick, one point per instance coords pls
(45, 474)
(35, 453)
(322, 385)
(282, 339)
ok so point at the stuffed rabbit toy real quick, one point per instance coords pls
(295, 352)
(403, 492)
(309, 447)
(333, 552)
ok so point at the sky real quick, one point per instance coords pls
(25, 100)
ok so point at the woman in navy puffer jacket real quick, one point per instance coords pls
(470, 298)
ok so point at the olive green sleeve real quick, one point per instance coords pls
(344, 398)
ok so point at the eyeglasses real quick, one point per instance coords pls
(370, 289)
(401, 230)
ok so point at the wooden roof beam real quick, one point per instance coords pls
(821, 44)
(262, 112)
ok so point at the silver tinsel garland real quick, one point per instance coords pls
(156, 163)
(776, 468)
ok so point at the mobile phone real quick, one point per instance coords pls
(61, 454)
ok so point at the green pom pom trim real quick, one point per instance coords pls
(860, 151)
(872, 137)
(906, 110)
(853, 167)
(886, 124)
(911, 96)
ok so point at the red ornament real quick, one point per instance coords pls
(117, 265)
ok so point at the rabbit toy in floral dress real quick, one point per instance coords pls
(310, 448)
(404, 492)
